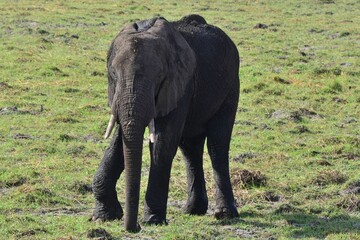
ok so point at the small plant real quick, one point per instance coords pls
(334, 87)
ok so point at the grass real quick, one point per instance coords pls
(297, 125)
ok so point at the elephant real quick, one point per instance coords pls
(180, 79)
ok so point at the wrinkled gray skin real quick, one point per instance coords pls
(184, 76)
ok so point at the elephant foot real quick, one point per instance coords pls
(226, 213)
(196, 207)
(136, 230)
(107, 212)
(154, 220)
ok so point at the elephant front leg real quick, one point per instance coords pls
(158, 185)
(168, 133)
(107, 206)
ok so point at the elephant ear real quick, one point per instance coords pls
(179, 63)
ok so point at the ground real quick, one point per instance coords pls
(295, 154)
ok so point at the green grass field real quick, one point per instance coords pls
(295, 152)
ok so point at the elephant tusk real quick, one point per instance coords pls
(152, 131)
(110, 126)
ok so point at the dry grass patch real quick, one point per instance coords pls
(248, 178)
(327, 177)
(350, 203)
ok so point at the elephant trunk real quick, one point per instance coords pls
(135, 114)
(133, 140)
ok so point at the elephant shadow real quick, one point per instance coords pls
(298, 225)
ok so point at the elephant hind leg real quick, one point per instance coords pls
(218, 141)
(192, 149)
(107, 206)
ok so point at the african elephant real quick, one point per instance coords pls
(180, 79)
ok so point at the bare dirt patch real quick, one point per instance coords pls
(271, 196)
(300, 130)
(295, 116)
(324, 163)
(353, 188)
(15, 110)
(244, 156)
(64, 211)
(31, 232)
(22, 136)
(287, 208)
(82, 187)
(261, 26)
(4, 85)
(14, 182)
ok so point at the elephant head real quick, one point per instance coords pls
(149, 67)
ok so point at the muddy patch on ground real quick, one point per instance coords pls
(244, 156)
(82, 188)
(53, 211)
(91, 138)
(4, 191)
(65, 211)
(261, 26)
(281, 80)
(347, 121)
(271, 196)
(353, 188)
(347, 156)
(22, 136)
(4, 85)
(99, 234)
(242, 233)
(295, 116)
(31, 232)
(179, 204)
(323, 163)
(12, 110)
(14, 182)
(15, 110)
(300, 130)
(287, 208)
